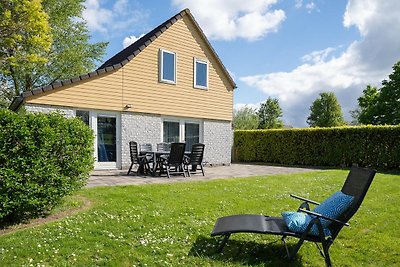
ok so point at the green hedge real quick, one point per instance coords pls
(42, 159)
(373, 146)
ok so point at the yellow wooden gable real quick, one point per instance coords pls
(135, 86)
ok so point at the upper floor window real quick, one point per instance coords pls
(200, 73)
(167, 66)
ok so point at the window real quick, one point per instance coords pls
(83, 115)
(170, 132)
(167, 66)
(181, 130)
(200, 74)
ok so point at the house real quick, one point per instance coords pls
(168, 86)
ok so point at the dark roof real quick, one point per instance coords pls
(134, 49)
(123, 57)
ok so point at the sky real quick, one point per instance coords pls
(291, 50)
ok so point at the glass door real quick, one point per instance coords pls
(106, 127)
(192, 134)
(106, 140)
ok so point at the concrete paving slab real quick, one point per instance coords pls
(119, 177)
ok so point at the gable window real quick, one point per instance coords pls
(200, 73)
(167, 66)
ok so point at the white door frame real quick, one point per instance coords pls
(93, 123)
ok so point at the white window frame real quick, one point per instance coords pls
(182, 122)
(201, 61)
(161, 66)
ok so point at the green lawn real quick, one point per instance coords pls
(169, 225)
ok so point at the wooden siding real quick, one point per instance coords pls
(103, 93)
(137, 83)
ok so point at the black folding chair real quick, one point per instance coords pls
(174, 161)
(163, 147)
(356, 185)
(195, 160)
(146, 150)
(136, 159)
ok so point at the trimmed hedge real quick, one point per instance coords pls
(372, 146)
(43, 157)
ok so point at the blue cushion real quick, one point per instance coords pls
(332, 207)
(298, 221)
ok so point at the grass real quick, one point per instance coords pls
(169, 225)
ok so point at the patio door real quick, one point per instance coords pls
(107, 145)
(192, 134)
(107, 140)
(182, 130)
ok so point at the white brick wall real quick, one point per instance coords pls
(68, 112)
(218, 140)
(145, 128)
(141, 129)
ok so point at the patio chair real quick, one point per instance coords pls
(317, 227)
(146, 150)
(136, 159)
(174, 161)
(163, 147)
(195, 160)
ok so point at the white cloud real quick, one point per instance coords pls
(310, 6)
(117, 18)
(358, 12)
(253, 106)
(232, 19)
(368, 60)
(298, 3)
(130, 40)
(318, 56)
(95, 16)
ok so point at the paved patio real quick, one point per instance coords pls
(119, 177)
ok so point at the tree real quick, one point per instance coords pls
(69, 55)
(388, 99)
(326, 111)
(365, 113)
(269, 114)
(381, 106)
(25, 38)
(245, 119)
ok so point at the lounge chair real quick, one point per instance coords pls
(318, 228)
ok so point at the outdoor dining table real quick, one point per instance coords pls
(156, 155)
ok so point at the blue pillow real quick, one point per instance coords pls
(332, 207)
(298, 221)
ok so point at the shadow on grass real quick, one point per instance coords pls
(244, 252)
